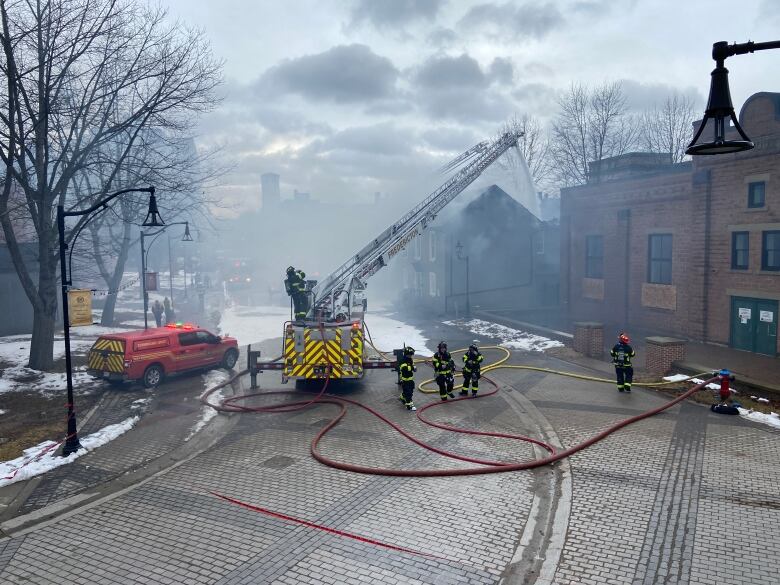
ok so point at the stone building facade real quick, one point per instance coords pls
(690, 249)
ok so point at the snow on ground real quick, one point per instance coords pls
(15, 351)
(772, 419)
(3, 411)
(45, 456)
(510, 338)
(389, 334)
(676, 378)
(253, 324)
(210, 379)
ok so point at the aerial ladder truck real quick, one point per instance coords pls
(331, 341)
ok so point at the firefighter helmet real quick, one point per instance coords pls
(473, 347)
(624, 338)
(443, 344)
(290, 269)
(408, 351)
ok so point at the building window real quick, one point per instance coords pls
(432, 246)
(539, 243)
(594, 256)
(659, 266)
(740, 250)
(417, 248)
(432, 290)
(756, 194)
(418, 283)
(770, 250)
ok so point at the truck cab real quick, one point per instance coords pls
(151, 355)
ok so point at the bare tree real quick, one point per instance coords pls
(79, 74)
(591, 125)
(667, 129)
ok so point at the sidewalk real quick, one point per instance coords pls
(758, 372)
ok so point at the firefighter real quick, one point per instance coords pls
(472, 364)
(621, 357)
(444, 367)
(295, 285)
(406, 372)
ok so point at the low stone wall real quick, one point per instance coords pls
(661, 352)
(589, 338)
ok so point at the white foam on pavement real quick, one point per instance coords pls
(773, 419)
(210, 379)
(389, 334)
(510, 338)
(253, 324)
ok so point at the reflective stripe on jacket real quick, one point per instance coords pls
(443, 364)
(622, 354)
(406, 371)
(472, 363)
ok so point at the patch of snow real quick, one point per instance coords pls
(510, 338)
(676, 378)
(773, 420)
(711, 385)
(253, 324)
(140, 403)
(3, 411)
(389, 334)
(764, 400)
(44, 457)
(210, 379)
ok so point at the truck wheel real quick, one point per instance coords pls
(229, 359)
(153, 376)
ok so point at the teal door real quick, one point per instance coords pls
(754, 325)
(766, 327)
(743, 323)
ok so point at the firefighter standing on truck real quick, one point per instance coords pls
(444, 366)
(472, 364)
(295, 285)
(621, 358)
(406, 371)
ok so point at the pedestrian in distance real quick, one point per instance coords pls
(444, 368)
(406, 370)
(621, 354)
(157, 311)
(170, 314)
(472, 366)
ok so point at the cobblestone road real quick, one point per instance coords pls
(684, 497)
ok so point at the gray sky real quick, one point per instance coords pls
(347, 97)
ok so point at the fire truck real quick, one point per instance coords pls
(331, 341)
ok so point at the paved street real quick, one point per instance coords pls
(683, 497)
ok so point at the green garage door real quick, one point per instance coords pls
(754, 325)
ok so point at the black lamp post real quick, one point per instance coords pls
(152, 219)
(144, 260)
(719, 106)
(459, 253)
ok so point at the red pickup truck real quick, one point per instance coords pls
(150, 355)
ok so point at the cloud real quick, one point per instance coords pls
(536, 98)
(442, 38)
(468, 106)
(501, 70)
(394, 13)
(444, 72)
(378, 139)
(449, 138)
(643, 96)
(532, 19)
(343, 74)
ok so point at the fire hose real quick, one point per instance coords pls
(231, 404)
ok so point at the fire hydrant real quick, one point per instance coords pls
(724, 377)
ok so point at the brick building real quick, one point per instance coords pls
(690, 249)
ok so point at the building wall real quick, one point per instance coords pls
(700, 203)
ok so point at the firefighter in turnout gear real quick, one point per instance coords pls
(406, 372)
(295, 285)
(444, 367)
(472, 364)
(621, 357)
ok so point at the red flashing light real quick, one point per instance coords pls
(356, 324)
(188, 326)
(171, 325)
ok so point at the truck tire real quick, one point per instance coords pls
(153, 375)
(229, 359)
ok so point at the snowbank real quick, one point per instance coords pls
(210, 379)
(44, 457)
(510, 338)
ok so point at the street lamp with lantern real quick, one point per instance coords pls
(459, 253)
(152, 220)
(719, 106)
(144, 260)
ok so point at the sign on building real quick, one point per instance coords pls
(79, 307)
(744, 314)
(766, 316)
